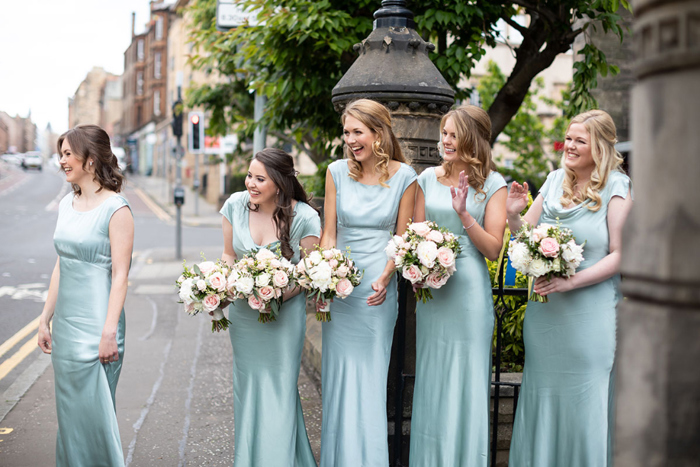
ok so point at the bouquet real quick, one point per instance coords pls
(261, 277)
(545, 250)
(426, 255)
(203, 287)
(327, 274)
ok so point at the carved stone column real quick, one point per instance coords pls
(658, 382)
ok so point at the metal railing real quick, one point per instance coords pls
(501, 311)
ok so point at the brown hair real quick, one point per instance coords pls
(601, 128)
(377, 118)
(90, 142)
(280, 168)
(473, 133)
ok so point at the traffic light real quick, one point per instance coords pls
(195, 137)
(177, 118)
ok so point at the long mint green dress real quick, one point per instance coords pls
(88, 434)
(564, 415)
(357, 340)
(268, 421)
(450, 423)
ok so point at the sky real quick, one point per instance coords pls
(47, 47)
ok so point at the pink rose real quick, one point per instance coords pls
(267, 293)
(211, 302)
(189, 308)
(549, 247)
(435, 236)
(206, 267)
(275, 263)
(435, 281)
(412, 273)
(342, 271)
(540, 232)
(327, 254)
(255, 303)
(218, 281)
(333, 262)
(420, 228)
(280, 279)
(446, 257)
(343, 288)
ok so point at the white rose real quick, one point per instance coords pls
(245, 285)
(262, 280)
(321, 276)
(201, 285)
(186, 291)
(538, 267)
(390, 249)
(398, 261)
(427, 252)
(315, 257)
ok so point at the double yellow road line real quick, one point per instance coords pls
(15, 359)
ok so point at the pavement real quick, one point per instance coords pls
(175, 396)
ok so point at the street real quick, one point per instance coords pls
(174, 399)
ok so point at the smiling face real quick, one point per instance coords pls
(260, 186)
(577, 149)
(449, 141)
(71, 165)
(359, 138)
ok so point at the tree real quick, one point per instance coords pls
(306, 46)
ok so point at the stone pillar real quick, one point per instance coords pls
(394, 69)
(658, 395)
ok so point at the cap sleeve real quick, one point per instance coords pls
(408, 177)
(115, 204)
(307, 222)
(231, 206)
(620, 185)
(424, 178)
(494, 182)
(549, 183)
(339, 170)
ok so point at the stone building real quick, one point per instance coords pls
(17, 134)
(144, 87)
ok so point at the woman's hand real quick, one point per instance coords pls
(544, 286)
(459, 195)
(417, 285)
(321, 303)
(379, 295)
(517, 199)
(108, 352)
(44, 338)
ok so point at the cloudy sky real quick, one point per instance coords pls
(47, 47)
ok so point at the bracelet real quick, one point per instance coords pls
(470, 225)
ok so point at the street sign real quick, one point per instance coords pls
(229, 15)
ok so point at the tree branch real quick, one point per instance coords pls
(520, 28)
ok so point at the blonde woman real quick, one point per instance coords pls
(369, 195)
(564, 412)
(454, 330)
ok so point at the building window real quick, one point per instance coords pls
(139, 50)
(139, 83)
(156, 103)
(156, 66)
(159, 28)
(474, 97)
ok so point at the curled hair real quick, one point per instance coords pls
(377, 118)
(603, 136)
(280, 168)
(91, 143)
(473, 133)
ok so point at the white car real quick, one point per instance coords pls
(32, 160)
(121, 158)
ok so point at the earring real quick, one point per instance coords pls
(90, 163)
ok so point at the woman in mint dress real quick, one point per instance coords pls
(369, 195)
(93, 238)
(273, 212)
(450, 423)
(564, 414)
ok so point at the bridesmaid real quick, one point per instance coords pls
(369, 195)
(94, 237)
(564, 412)
(454, 330)
(273, 212)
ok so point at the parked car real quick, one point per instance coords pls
(32, 160)
(14, 159)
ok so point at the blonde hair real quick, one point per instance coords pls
(473, 132)
(603, 135)
(377, 118)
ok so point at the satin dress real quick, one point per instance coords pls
(454, 330)
(564, 415)
(268, 420)
(88, 434)
(357, 340)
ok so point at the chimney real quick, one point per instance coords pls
(133, 23)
